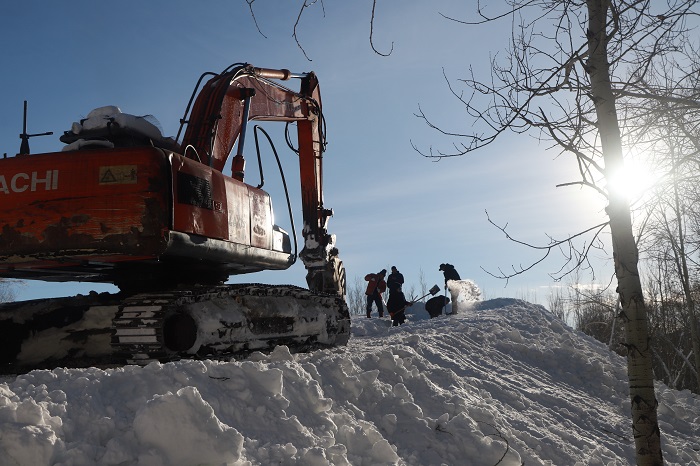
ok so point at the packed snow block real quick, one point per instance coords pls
(435, 305)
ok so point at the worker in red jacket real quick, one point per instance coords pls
(375, 287)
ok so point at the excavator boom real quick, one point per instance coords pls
(219, 118)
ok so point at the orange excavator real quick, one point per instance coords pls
(163, 221)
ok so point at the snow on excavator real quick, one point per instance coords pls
(161, 220)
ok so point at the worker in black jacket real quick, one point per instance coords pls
(451, 274)
(396, 305)
(395, 280)
(448, 270)
(434, 306)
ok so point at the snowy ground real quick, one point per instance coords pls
(502, 383)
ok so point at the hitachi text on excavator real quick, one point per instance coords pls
(159, 218)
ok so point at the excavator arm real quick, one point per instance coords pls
(217, 120)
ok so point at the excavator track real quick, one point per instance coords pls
(228, 321)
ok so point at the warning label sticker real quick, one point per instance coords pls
(118, 174)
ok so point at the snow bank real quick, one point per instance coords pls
(502, 383)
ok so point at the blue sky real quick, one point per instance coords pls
(392, 206)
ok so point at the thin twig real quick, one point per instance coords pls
(371, 34)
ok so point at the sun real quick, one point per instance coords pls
(637, 181)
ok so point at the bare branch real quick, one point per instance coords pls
(371, 34)
(577, 257)
(488, 19)
(306, 4)
(255, 20)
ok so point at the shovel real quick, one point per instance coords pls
(433, 291)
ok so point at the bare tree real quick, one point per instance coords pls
(557, 304)
(422, 284)
(595, 313)
(356, 296)
(411, 293)
(668, 323)
(669, 130)
(671, 232)
(564, 79)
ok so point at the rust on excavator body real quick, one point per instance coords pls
(59, 210)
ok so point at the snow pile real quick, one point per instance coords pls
(502, 383)
(104, 122)
(465, 293)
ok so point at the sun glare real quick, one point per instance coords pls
(636, 181)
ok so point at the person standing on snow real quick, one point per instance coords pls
(395, 280)
(448, 270)
(375, 288)
(396, 305)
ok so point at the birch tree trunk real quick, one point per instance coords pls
(645, 425)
